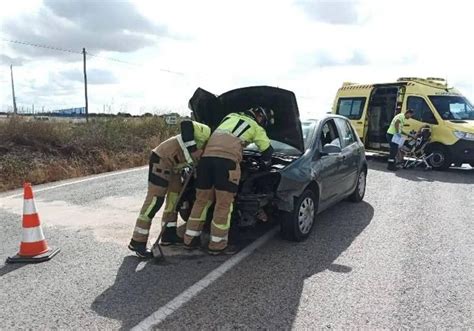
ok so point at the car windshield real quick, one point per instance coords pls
(308, 128)
(453, 107)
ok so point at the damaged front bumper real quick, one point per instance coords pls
(250, 205)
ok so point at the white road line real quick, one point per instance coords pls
(77, 181)
(161, 314)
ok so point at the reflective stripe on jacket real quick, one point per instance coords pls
(235, 132)
(246, 129)
(177, 149)
(193, 136)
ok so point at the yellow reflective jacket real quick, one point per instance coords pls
(194, 135)
(392, 129)
(246, 129)
(235, 132)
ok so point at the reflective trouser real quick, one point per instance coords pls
(161, 181)
(393, 152)
(217, 180)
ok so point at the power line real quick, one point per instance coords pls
(88, 53)
(40, 46)
(133, 64)
(173, 72)
(112, 59)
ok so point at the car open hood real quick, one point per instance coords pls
(211, 109)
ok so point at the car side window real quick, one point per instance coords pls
(422, 111)
(329, 134)
(347, 134)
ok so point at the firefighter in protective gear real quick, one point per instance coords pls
(218, 175)
(164, 179)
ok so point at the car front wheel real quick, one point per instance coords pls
(297, 225)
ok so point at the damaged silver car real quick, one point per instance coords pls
(316, 163)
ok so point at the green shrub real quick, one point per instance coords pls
(44, 151)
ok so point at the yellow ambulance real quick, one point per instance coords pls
(450, 115)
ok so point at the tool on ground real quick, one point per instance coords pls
(33, 247)
(188, 175)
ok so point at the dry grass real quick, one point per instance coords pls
(42, 152)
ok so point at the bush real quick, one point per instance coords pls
(44, 151)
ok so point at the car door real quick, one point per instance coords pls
(328, 165)
(350, 156)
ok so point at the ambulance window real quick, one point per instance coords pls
(351, 108)
(422, 111)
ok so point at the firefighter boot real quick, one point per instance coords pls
(195, 243)
(140, 249)
(230, 249)
(170, 237)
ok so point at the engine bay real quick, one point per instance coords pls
(258, 184)
(251, 162)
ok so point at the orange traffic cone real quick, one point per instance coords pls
(33, 247)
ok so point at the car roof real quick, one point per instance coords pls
(322, 118)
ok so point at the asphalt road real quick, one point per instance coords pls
(403, 258)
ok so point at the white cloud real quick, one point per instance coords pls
(310, 49)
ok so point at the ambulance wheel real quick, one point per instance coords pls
(440, 158)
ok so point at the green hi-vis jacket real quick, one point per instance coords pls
(392, 129)
(235, 132)
(245, 128)
(194, 135)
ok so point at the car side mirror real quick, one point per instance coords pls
(330, 149)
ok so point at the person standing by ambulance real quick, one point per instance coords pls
(218, 175)
(164, 179)
(396, 128)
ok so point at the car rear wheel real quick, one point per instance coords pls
(297, 225)
(359, 192)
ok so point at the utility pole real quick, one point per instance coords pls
(85, 84)
(15, 111)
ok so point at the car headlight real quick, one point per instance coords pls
(464, 135)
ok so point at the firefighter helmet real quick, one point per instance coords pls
(266, 114)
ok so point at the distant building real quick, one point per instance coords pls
(70, 112)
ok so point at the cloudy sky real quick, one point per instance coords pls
(152, 55)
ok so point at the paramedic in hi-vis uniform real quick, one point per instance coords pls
(164, 179)
(396, 128)
(218, 175)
